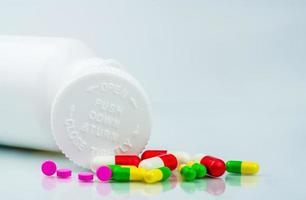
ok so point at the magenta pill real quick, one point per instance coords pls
(63, 173)
(85, 176)
(104, 173)
(48, 167)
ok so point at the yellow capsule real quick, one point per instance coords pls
(242, 167)
(153, 176)
(180, 167)
(128, 166)
(190, 163)
(187, 172)
(249, 167)
(136, 174)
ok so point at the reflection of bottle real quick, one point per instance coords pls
(92, 105)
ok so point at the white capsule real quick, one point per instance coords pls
(182, 157)
(165, 160)
(151, 163)
(101, 160)
(198, 157)
(114, 160)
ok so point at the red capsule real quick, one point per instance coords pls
(169, 160)
(152, 153)
(166, 160)
(127, 160)
(181, 156)
(215, 166)
(114, 160)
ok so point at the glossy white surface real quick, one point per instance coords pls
(281, 175)
(225, 78)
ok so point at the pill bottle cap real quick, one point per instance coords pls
(102, 110)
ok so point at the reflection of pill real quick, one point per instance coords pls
(240, 180)
(63, 173)
(242, 167)
(48, 183)
(85, 176)
(215, 186)
(114, 160)
(104, 173)
(166, 160)
(48, 167)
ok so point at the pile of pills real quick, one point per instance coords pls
(154, 166)
(49, 168)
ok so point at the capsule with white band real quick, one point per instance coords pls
(114, 160)
(166, 160)
(181, 156)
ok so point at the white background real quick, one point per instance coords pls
(227, 78)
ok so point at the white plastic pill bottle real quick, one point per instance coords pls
(56, 94)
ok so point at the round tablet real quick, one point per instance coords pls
(48, 167)
(86, 176)
(63, 173)
(104, 173)
(103, 112)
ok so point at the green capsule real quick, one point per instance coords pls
(121, 174)
(242, 167)
(233, 166)
(156, 175)
(200, 169)
(188, 173)
(113, 167)
(166, 173)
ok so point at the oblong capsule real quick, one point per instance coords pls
(136, 174)
(242, 167)
(127, 173)
(215, 166)
(200, 169)
(182, 157)
(114, 160)
(156, 175)
(152, 153)
(166, 160)
(121, 174)
(187, 172)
